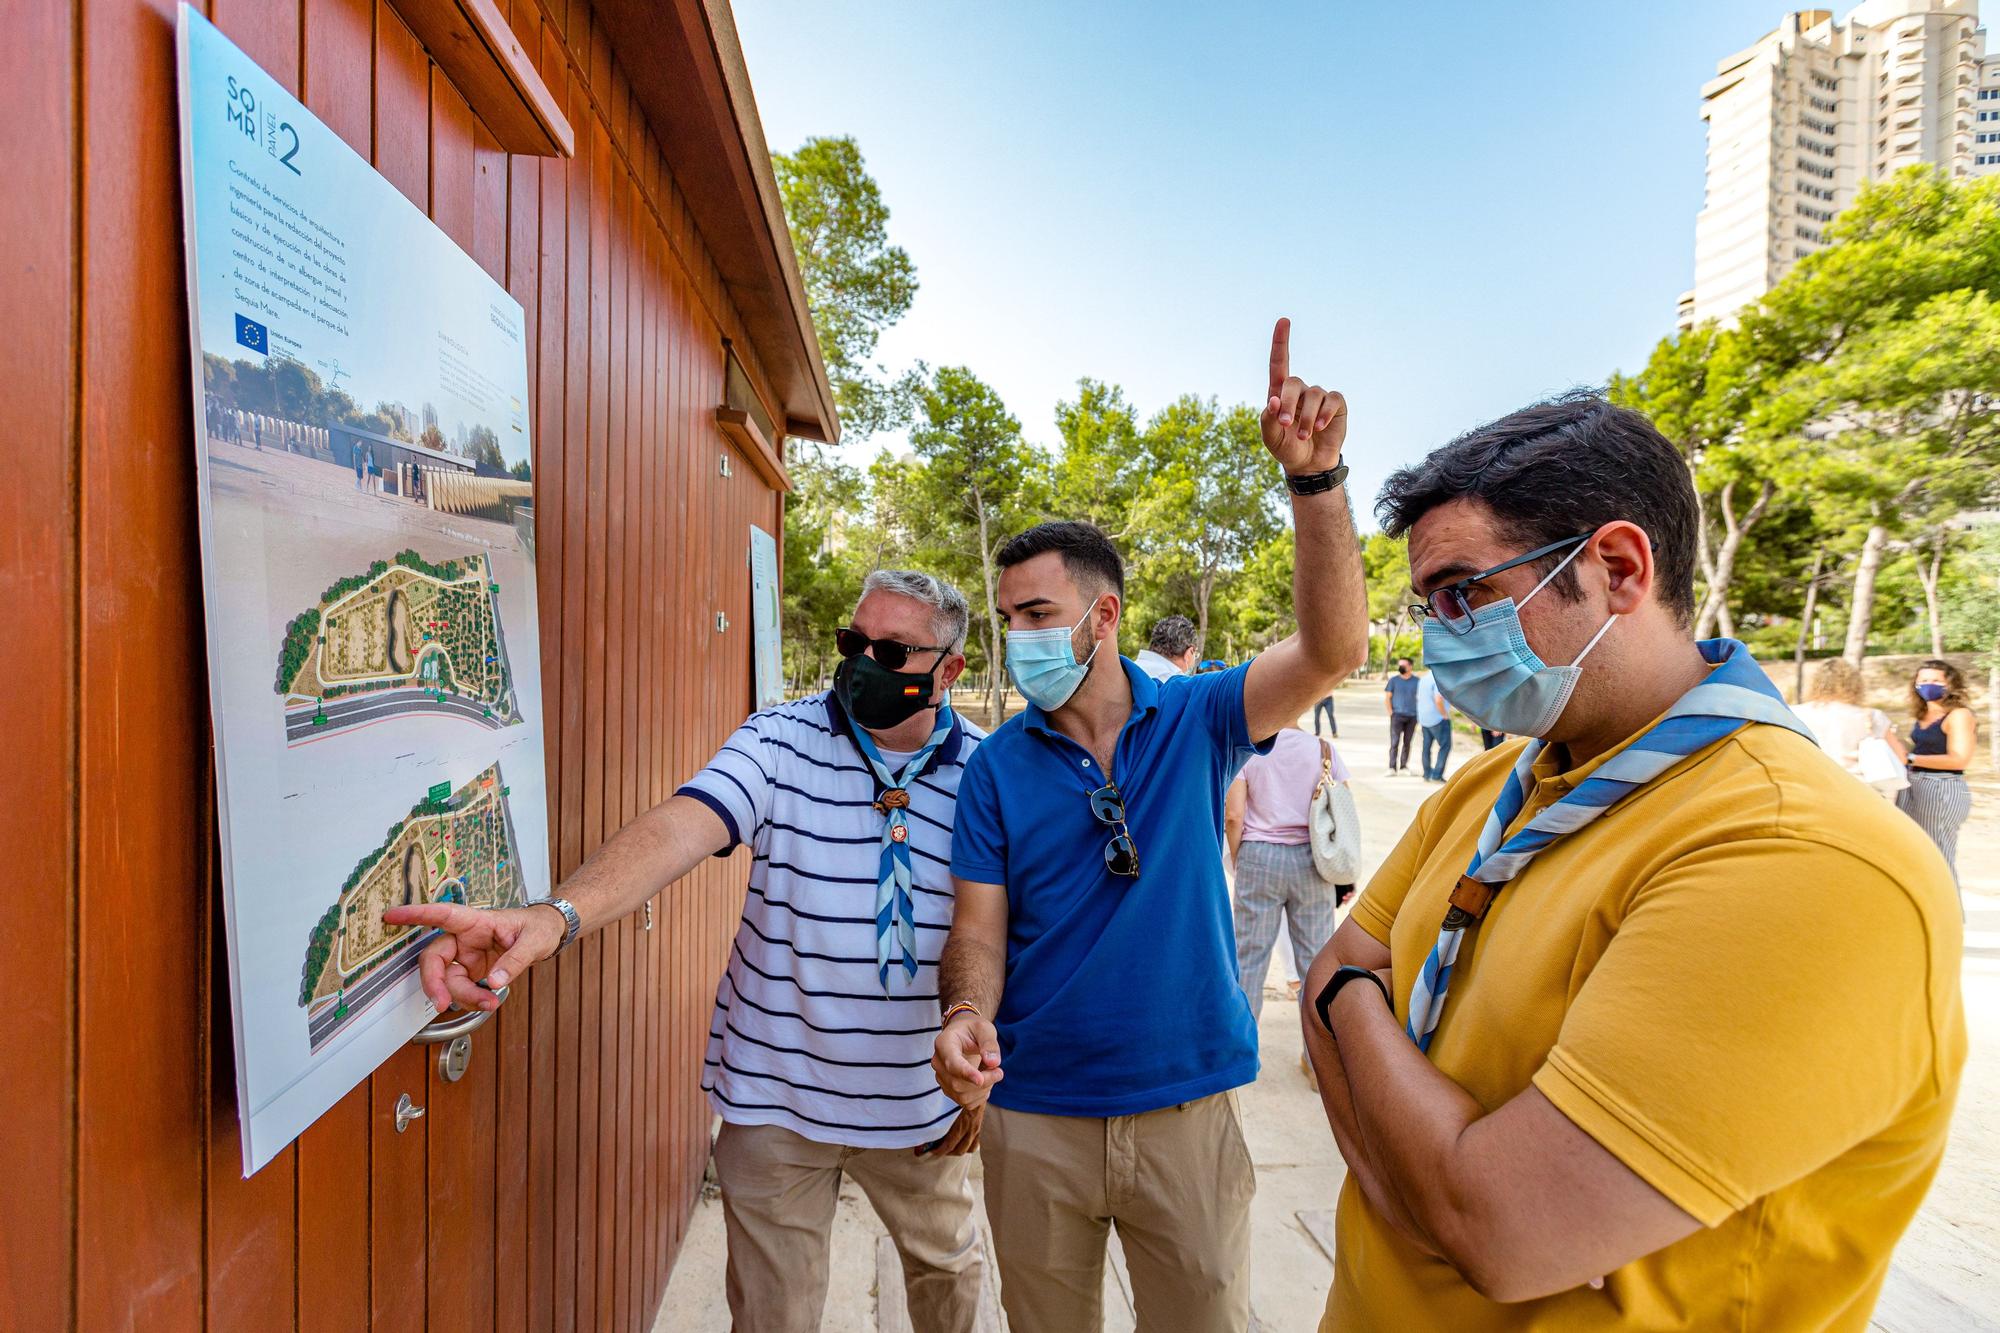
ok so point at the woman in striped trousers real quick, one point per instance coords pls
(1942, 733)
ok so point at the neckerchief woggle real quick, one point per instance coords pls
(895, 920)
(1736, 694)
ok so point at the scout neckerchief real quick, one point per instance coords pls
(1735, 694)
(895, 921)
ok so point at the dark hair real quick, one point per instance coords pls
(1172, 637)
(1561, 467)
(1954, 688)
(1086, 553)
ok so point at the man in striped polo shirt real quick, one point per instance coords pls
(819, 1050)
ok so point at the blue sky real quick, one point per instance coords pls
(1462, 207)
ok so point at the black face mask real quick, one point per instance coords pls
(878, 698)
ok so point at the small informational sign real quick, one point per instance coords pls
(764, 593)
(366, 496)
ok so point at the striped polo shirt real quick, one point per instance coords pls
(804, 1034)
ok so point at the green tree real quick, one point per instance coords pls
(1209, 500)
(1690, 390)
(1099, 467)
(1850, 411)
(822, 572)
(978, 483)
(1972, 615)
(1906, 415)
(1385, 565)
(1260, 594)
(856, 282)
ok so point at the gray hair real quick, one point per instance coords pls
(1172, 637)
(950, 610)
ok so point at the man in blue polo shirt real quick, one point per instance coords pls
(1089, 982)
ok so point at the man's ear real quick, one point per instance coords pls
(948, 674)
(1626, 553)
(1110, 606)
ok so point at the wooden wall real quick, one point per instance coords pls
(550, 1188)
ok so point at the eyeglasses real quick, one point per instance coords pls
(1449, 604)
(890, 654)
(1121, 854)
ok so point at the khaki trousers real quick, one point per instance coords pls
(1177, 1182)
(778, 1195)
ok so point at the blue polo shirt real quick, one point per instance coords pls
(1121, 994)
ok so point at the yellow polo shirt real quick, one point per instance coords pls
(1743, 981)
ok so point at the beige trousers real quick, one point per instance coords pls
(1177, 1182)
(778, 1195)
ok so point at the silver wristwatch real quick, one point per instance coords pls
(572, 923)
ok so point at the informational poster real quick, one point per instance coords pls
(363, 467)
(769, 649)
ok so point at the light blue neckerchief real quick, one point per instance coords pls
(1735, 694)
(895, 920)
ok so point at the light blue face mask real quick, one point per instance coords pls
(1043, 665)
(1493, 676)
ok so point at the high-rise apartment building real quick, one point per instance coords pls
(1798, 121)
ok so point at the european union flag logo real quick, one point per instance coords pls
(252, 335)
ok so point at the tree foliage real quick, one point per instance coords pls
(1855, 409)
(857, 283)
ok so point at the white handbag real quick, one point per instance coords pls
(1335, 825)
(1880, 768)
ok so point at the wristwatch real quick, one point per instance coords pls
(572, 923)
(1312, 483)
(1341, 978)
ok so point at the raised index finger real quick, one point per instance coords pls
(1281, 354)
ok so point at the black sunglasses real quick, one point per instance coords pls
(1449, 605)
(1121, 854)
(890, 654)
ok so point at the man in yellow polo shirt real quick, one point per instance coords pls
(1673, 1026)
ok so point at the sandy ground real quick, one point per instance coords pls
(1948, 1267)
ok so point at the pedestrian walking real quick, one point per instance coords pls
(360, 468)
(1650, 1013)
(1943, 732)
(1434, 716)
(1400, 696)
(818, 1051)
(1095, 998)
(1325, 706)
(1268, 824)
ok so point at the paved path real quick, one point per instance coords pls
(1947, 1275)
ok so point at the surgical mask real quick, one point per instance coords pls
(878, 698)
(1493, 676)
(1931, 691)
(1043, 665)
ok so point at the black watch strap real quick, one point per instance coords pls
(1312, 483)
(1341, 978)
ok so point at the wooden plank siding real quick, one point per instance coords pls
(550, 1188)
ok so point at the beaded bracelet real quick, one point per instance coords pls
(962, 1007)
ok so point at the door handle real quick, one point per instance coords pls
(451, 1026)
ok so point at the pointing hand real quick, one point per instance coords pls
(1304, 425)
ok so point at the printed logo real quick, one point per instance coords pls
(252, 335)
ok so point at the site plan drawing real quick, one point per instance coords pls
(405, 636)
(365, 480)
(455, 848)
